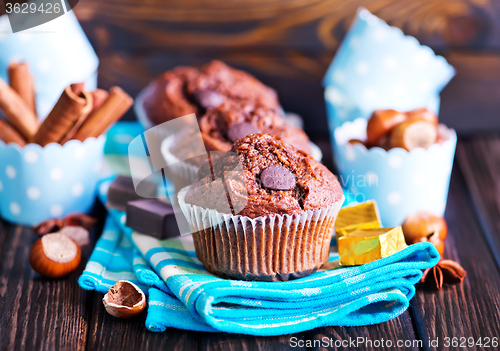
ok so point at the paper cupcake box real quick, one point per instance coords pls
(378, 67)
(401, 182)
(39, 183)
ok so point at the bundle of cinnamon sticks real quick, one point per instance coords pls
(78, 114)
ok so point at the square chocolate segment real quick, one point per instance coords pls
(122, 190)
(152, 217)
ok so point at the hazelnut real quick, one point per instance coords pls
(383, 142)
(424, 114)
(54, 255)
(443, 133)
(353, 142)
(79, 234)
(413, 133)
(124, 300)
(381, 122)
(421, 225)
(437, 241)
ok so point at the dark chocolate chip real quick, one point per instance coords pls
(277, 178)
(240, 130)
(208, 98)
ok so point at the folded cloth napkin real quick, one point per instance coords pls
(182, 294)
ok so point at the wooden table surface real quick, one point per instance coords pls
(43, 314)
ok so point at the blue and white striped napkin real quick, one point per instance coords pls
(182, 294)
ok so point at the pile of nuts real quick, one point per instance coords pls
(408, 130)
(427, 227)
(58, 252)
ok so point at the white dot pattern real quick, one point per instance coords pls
(56, 210)
(11, 172)
(362, 68)
(56, 174)
(33, 193)
(394, 198)
(395, 161)
(31, 157)
(14, 208)
(77, 190)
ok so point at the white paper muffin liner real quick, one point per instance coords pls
(269, 248)
(401, 182)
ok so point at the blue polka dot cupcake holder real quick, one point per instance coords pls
(38, 183)
(378, 67)
(401, 182)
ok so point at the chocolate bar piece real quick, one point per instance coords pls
(122, 190)
(367, 245)
(152, 217)
(362, 216)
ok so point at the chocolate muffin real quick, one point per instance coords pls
(231, 84)
(165, 98)
(185, 90)
(266, 211)
(233, 120)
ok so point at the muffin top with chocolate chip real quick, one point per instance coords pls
(231, 121)
(264, 175)
(185, 90)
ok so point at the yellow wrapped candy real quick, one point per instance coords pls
(367, 245)
(362, 216)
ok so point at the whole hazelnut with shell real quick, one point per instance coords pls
(425, 226)
(54, 255)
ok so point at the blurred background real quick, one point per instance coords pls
(288, 44)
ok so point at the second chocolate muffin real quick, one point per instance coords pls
(224, 124)
(184, 90)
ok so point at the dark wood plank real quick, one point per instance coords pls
(234, 342)
(470, 103)
(37, 313)
(109, 333)
(479, 161)
(281, 24)
(399, 328)
(470, 309)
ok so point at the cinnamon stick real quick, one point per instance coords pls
(77, 88)
(99, 95)
(10, 135)
(65, 114)
(115, 106)
(18, 114)
(21, 81)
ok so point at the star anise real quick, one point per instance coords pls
(445, 272)
(54, 225)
